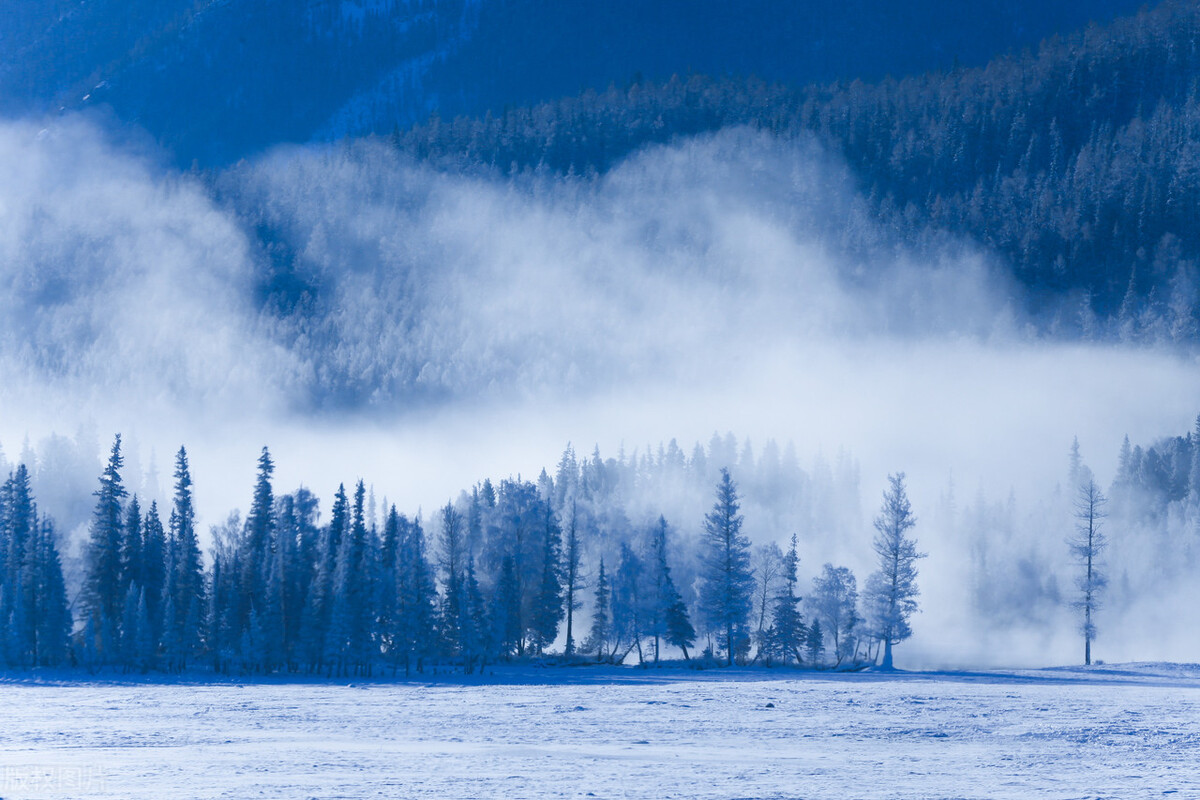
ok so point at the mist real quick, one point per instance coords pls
(367, 316)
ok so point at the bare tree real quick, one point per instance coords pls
(767, 564)
(1087, 545)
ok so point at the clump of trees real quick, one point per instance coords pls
(504, 574)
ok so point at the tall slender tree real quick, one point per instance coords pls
(186, 569)
(788, 633)
(669, 621)
(103, 599)
(728, 582)
(891, 592)
(1087, 547)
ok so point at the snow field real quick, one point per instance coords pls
(1045, 734)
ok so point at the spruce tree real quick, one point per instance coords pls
(573, 582)
(52, 614)
(728, 582)
(814, 643)
(601, 617)
(788, 634)
(453, 601)
(102, 598)
(548, 611)
(258, 543)
(186, 579)
(669, 619)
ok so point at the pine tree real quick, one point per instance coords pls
(52, 615)
(728, 581)
(103, 600)
(815, 643)
(186, 577)
(548, 610)
(350, 621)
(476, 639)
(629, 604)
(506, 618)
(572, 577)
(787, 626)
(154, 558)
(669, 621)
(453, 602)
(258, 543)
(19, 597)
(601, 617)
(891, 592)
(132, 547)
(415, 625)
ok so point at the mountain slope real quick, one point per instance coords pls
(1078, 164)
(220, 79)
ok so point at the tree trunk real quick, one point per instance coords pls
(887, 654)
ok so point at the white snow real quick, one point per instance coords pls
(1126, 731)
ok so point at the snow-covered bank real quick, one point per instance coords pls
(1129, 731)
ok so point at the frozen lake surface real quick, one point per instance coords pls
(1114, 732)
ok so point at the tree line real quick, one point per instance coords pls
(513, 571)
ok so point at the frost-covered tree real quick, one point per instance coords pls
(630, 606)
(572, 576)
(834, 603)
(669, 620)
(597, 641)
(891, 592)
(451, 560)
(814, 643)
(185, 569)
(1087, 547)
(103, 598)
(728, 581)
(767, 564)
(548, 607)
(787, 633)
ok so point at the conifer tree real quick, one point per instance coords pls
(52, 614)
(572, 577)
(728, 581)
(415, 626)
(788, 634)
(669, 620)
(350, 627)
(132, 546)
(258, 544)
(186, 575)
(815, 643)
(154, 557)
(102, 597)
(476, 639)
(891, 592)
(548, 610)
(506, 619)
(601, 617)
(451, 560)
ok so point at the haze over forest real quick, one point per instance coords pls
(951, 274)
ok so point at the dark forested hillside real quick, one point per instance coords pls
(1077, 163)
(215, 80)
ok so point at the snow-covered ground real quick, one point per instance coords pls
(1126, 731)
